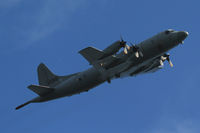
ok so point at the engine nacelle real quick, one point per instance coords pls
(110, 62)
(154, 67)
(152, 70)
(113, 49)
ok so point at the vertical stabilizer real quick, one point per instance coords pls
(45, 76)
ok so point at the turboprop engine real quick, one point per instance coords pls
(113, 48)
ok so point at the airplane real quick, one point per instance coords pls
(116, 61)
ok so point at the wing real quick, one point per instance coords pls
(91, 54)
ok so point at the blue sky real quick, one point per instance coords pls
(53, 32)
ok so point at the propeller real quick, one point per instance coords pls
(161, 63)
(126, 49)
(136, 50)
(166, 56)
(124, 45)
(170, 62)
(122, 42)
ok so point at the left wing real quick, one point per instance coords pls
(91, 54)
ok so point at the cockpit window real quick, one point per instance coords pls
(168, 31)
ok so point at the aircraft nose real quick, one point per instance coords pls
(182, 35)
(185, 34)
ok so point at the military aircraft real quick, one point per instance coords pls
(110, 63)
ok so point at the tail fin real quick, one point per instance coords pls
(45, 76)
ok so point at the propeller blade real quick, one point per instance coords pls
(137, 54)
(122, 42)
(141, 54)
(125, 51)
(132, 45)
(168, 59)
(166, 56)
(163, 58)
(128, 47)
(121, 38)
(170, 63)
(161, 63)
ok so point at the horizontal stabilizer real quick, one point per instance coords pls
(41, 90)
(91, 54)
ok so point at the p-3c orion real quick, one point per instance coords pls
(108, 64)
